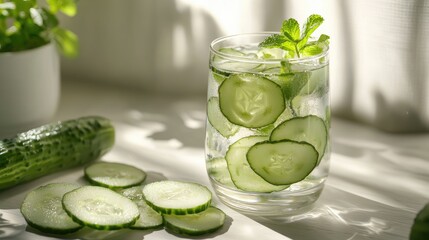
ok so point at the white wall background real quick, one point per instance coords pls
(163, 45)
(379, 49)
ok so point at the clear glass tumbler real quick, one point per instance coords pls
(267, 134)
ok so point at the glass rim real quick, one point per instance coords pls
(251, 60)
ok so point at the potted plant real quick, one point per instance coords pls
(30, 36)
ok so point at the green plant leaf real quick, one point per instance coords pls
(67, 7)
(6, 11)
(26, 25)
(290, 29)
(67, 42)
(22, 8)
(36, 16)
(49, 20)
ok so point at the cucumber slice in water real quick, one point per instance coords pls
(219, 76)
(218, 120)
(241, 173)
(309, 129)
(114, 175)
(250, 101)
(218, 169)
(224, 63)
(283, 162)
(100, 208)
(204, 222)
(232, 52)
(42, 209)
(176, 197)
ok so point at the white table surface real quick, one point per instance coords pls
(377, 184)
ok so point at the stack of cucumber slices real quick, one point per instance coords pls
(118, 199)
(285, 151)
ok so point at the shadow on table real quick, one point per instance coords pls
(128, 234)
(388, 168)
(335, 217)
(93, 234)
(178, 122)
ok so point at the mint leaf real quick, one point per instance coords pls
(273, 41)
(323, 38)
(313, 22)
(292, 83)
(317, 47)
(290, 29)
(295, 40)
(311, 50)
(289, 46)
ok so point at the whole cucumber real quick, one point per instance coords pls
(53, 147)
(420, 227)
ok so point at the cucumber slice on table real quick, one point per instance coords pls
(149, 218)
(100, 208)
(250, 101)
(309, 129)
(241, 173)
(133, 193)
(218, 120)
(283, 162)
(42, 209)
(177, 197)
(114, 175)
(204, 222)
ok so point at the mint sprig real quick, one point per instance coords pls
(294, 40)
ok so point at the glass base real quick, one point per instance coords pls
(277, 205)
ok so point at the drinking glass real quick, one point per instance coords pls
(267, 134)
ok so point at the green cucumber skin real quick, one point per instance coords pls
(188, 232)
(155, 227)
(96, 183)
(181, 231)
(53, 147)
(183, 211)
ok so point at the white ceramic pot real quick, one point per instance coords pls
(29, 88)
